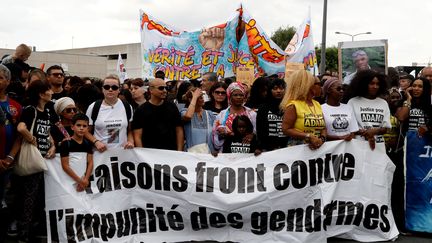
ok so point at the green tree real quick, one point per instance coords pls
(331, 57)
(283, 35)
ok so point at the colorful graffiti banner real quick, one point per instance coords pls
(301, 47)
(220, 49)
(418, 189)
(187, 55)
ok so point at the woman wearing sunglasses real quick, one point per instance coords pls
(65, 109)
(222, 127)
(111, 123)
(339, 118)
(218, 98)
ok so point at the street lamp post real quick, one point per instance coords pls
(323, 43)
(352, 36)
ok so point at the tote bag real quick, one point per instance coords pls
(30, 160)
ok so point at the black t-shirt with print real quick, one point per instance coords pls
(58, 136)
(235, 145)
(269, 127)
(41, 129)
(158, 124)
(70, 146)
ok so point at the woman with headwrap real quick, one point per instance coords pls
(303, 119)
(65, 108)
(339, 118)
(223, 124)
(269, 118)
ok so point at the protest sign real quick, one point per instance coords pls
(360, 55)
(291, 67)
(288, 195)
(245, 75)
(418, 199)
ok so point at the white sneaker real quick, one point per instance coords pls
(12, 229)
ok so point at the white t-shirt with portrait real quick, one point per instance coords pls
(111, 125)
(371, 113)
(339, 120)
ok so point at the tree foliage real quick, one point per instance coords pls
(331, 58)
(283, 35)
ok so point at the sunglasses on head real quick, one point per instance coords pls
(220, 92)
(108, 87)
(57, 74)
(70, 110)
(161, 88)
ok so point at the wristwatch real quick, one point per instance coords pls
(307, 138)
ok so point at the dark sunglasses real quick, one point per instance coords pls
(220, 92)
(57, 74)
(70, 110)
(161, 88)
(108, 87)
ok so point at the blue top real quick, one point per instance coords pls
(197, 130)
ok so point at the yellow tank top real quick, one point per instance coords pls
(309, 118)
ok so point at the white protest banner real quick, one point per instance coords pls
(287, 195)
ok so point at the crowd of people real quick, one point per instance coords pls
(60, 114)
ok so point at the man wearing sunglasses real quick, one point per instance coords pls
(157, 123)
(55, 76)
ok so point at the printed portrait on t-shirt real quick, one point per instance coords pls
(114, 135)
(340, 122)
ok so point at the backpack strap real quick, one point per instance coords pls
(95, 111)
(128, 109)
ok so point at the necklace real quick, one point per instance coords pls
(112, 105)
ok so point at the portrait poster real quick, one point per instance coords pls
(358, 55)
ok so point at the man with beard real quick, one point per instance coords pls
(269, 118)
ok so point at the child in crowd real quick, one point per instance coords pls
(77, 143)
(244, 140)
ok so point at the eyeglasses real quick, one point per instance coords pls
(70, 110)
(220, 92)
(108, 87)
(161, 88)
(57, 74)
